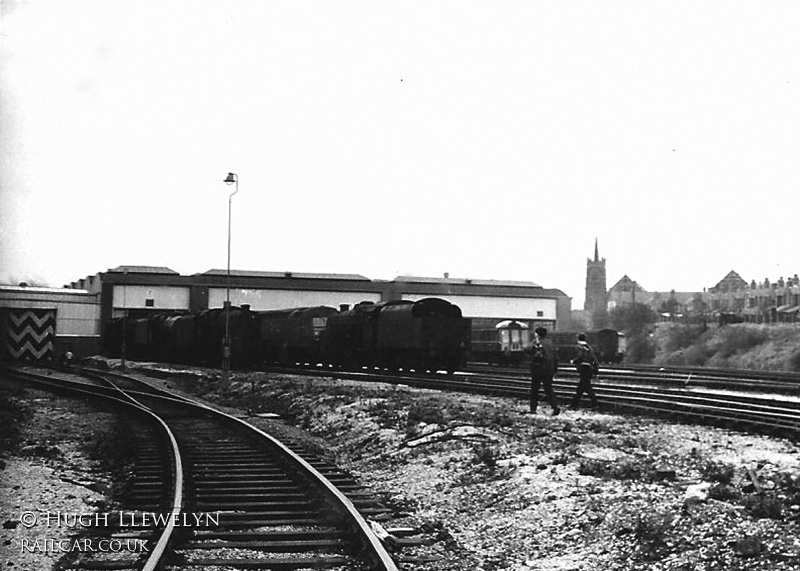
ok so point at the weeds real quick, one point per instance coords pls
(763, 506)
(717, 472)
(113, 450)
(486, 454)
(650, 530)
(13, 412)
(626, 469)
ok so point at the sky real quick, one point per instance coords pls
(483, 139)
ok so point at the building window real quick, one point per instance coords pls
(149, 303)
(540, 313)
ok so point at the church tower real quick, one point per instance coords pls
(595, 303)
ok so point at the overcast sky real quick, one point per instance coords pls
(489, 140)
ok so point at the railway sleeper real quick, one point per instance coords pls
(282, 545)
(276, 564)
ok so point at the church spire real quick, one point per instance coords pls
(596, 252)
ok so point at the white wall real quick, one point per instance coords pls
(264, 299)
(164, 297)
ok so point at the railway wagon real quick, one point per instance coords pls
(609, 344)
(293, 335)
(505, 343)
(429, 334)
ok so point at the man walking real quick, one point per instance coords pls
(544, 365)
(586, 363)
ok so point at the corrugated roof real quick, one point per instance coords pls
(298, 275)
(465, 281)
(143, 270)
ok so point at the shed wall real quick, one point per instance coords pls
(499, 307)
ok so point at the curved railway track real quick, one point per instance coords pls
(211, 491)
(270, 508)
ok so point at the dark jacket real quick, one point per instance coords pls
(550, 365)
(586, 357)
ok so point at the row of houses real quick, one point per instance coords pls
(732, 299)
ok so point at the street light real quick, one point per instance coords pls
(232, 178)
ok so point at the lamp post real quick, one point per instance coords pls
(124, 325)
(232, 178)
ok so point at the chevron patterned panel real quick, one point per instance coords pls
(29, 334)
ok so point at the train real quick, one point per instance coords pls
(609, 344)
(430, 334)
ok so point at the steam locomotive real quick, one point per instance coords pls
(429, 334)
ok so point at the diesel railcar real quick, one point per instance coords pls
(505, 343)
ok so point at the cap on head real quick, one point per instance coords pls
(540, 331)
(581, 337)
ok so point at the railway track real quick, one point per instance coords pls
(247, 502)
(768, 406)
(213, 492)
(732, 380)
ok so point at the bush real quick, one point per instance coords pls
(793, 361)
(672, 337)
(741, 346)
(737, 338)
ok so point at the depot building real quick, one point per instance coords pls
(42, 323)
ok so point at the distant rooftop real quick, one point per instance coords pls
(299, 275)
(39, 289)
(463, 281)
(143, 270)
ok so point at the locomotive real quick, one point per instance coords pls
(609, 344)
(429, 334)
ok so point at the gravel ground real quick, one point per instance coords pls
(485, 486)
(492, 487)
(48, 469)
